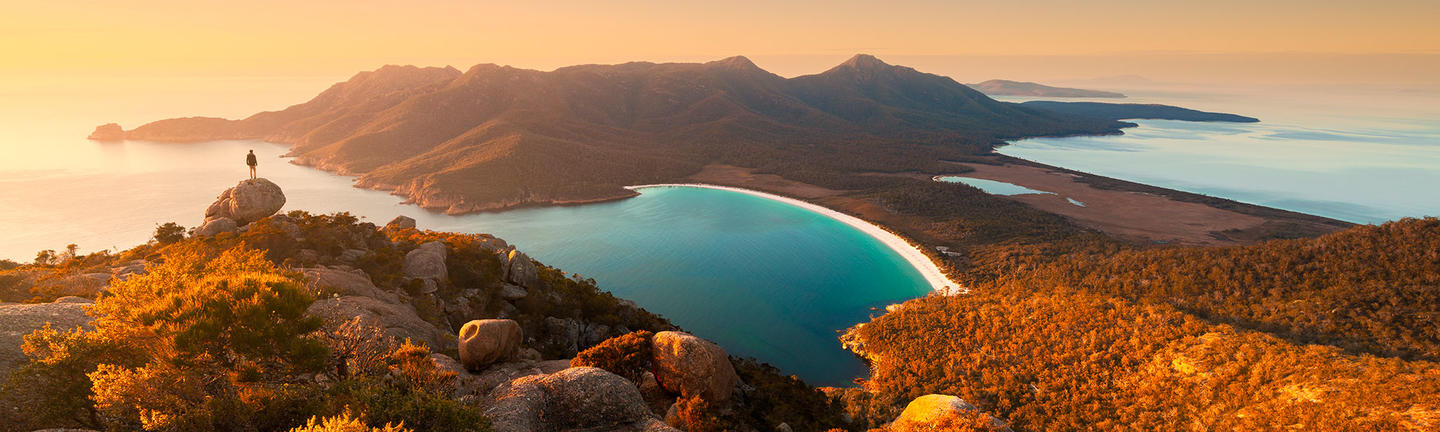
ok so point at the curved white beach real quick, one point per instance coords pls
(937, 279)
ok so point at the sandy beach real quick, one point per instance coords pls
(937, 279)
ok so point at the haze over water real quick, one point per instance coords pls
(762, 278)
(1349, 153)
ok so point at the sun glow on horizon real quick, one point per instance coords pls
(265, 37)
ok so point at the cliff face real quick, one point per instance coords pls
(496, 136)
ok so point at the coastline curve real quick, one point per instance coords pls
(911, 253)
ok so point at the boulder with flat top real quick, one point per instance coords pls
(247, 202)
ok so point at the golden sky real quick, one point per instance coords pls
(327, 37)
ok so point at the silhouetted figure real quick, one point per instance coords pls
(250, 160)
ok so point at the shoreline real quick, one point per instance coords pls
(910, 252)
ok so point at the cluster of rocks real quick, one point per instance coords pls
(520, 394)
(247, 202)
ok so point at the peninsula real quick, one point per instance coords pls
(495, 137)
(997, 87)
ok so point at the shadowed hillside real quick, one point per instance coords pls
(496, 136)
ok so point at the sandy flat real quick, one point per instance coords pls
(1120, 213)
(937, 279)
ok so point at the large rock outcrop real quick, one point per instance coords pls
(689, 365)
(400, 223)
(397, 320)
(520, 269)
(925, 412)
(580, 398)
(483, 342)
(247, 202)
(344, 281)
(214, 226)
(426, 262)
(18, 320)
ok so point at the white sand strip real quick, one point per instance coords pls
(911, 253)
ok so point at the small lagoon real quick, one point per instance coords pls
(991, 186)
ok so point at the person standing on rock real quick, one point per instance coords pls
(250, 160)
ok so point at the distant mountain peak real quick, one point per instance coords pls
(736, 61)
(865, 61)
(865, 66)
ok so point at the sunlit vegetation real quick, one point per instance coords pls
(1073, 361)
(1370, 289)
(627, 355)
(216, 340)
(345, 422)
(1330, 333)
(169, 232)
(213, 336)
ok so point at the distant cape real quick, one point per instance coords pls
(998, 87)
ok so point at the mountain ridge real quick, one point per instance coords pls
(495, 137)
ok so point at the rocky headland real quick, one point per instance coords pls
(531, 348)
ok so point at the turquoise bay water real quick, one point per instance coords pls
(761, 278)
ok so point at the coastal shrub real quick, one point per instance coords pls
(412, 363)
(345, 422)
(628, 355)
(12, 286)
(389, 402)
(357, 349)
(694, 414)
(52, 389)
(221, 330)
(780, 398)
(234, 311)
(47, 257)
(408, 387)
(169, 232)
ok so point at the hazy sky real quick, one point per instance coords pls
(326, 37)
